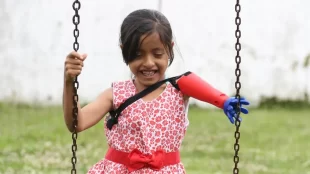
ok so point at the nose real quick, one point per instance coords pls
(148, 62)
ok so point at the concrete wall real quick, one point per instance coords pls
(36, 37)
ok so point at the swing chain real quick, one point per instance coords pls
(76, 20)
(237, 85)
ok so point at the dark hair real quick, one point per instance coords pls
(141, 22)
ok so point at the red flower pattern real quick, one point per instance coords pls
(147, 126)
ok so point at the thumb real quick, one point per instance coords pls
(83, 56)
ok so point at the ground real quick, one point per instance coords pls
(35, 140)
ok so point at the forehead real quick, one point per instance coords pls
(151, 41)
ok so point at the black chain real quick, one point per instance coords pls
(76, 20)
(237, 85)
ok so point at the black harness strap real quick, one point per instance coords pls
(114, 114)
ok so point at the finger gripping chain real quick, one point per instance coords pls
(76, 21)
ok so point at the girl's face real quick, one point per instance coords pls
(152, 61)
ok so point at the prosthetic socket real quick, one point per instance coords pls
(193, 86)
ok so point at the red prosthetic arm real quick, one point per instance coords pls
(193, 86)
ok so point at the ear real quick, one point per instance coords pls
(172, 43)
(121, 46)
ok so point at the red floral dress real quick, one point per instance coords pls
(146, 126)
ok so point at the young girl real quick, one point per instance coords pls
(148, 133)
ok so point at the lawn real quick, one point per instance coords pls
(35, 140)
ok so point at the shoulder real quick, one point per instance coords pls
(121, 90)
(178, 92)
(122, 87)
(121, 84)
(106, 94)
(185, 97)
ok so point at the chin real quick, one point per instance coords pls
(148, 83)
(149, 80)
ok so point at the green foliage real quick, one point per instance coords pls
(276, 103)
(36, 140)
(307, 61)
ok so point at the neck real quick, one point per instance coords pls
(140, 87)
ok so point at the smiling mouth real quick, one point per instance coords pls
(148, 73)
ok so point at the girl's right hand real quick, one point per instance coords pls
(73, 65)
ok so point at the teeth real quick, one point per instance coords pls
(148, 73)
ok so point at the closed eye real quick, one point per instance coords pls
(158, 55)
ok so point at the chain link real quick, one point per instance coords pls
(237, 85)
(76, 21)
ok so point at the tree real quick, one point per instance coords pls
(306, 64)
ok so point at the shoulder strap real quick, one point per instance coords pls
(114, 114)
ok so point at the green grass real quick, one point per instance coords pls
(35, 140)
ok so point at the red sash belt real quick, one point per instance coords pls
(135, 160)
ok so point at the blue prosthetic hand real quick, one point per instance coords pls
(230, 108)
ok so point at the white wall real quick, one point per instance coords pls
(36, 37)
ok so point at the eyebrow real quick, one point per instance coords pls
(158, 49)
(154, 49)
